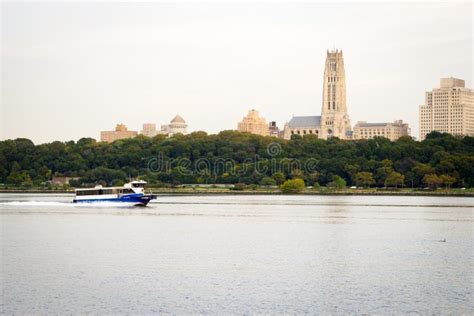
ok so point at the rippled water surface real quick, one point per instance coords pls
(238, 255)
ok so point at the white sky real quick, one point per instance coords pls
(70, 70)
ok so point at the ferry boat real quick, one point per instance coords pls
(132, 192)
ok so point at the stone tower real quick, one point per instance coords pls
(334, 118)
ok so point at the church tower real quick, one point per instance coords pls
(334, 118)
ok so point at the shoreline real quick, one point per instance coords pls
(347, 192)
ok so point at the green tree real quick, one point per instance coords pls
(44, 173)
(104, 176)
(279, 178)
(394, 179)
(432, 180)
(18, 177)
(293, 186)
(364, 179)
(267, 181)
(443, 154)
(352, 170)
(382, 174)
(387, 163)
(312, 178)
(447, 180)
(420, 170)
(337, 182)
(297, 173)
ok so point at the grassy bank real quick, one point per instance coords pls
(322, 191)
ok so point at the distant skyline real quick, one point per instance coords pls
(70, 70)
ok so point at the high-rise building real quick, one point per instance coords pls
(121, 132)
(253, 123)
(334, 119)
(449, 109)
(392, 131)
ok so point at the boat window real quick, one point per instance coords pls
(88, 192)
(126, 191)
(104, 191)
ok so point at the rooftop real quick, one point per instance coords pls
(178, 119)
(305, 121)
(365, 124)
(451, 82)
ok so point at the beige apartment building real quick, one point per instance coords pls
(449, 109)
(392, 131)
(121, 132)
(253, 123)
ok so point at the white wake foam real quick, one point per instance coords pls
(63, 204)
(35, 203)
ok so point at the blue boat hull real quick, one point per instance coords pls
(134, 199)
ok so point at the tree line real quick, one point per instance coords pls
(233, 157)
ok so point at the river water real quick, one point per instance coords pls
(235, 254)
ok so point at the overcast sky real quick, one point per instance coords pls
(72, 70)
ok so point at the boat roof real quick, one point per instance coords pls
(101, 188)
